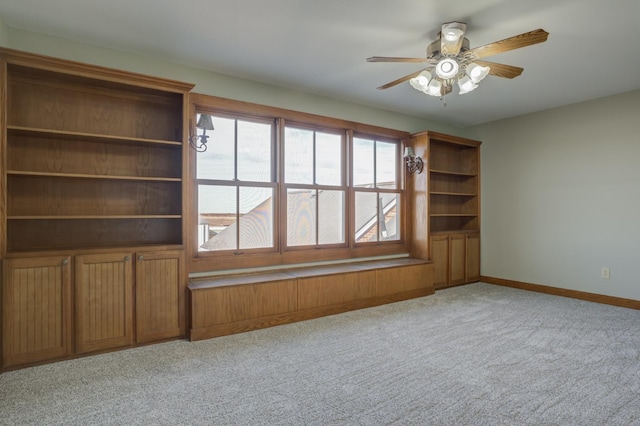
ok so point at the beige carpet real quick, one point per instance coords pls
(472, 355)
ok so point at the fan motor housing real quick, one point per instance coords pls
(433, 50)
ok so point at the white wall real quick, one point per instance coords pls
(4, 33)
(217, 84)
(561, 196)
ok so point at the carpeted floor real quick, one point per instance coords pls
(472, 355)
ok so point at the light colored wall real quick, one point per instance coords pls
(560, 188)
(4, 34)
(561, 196)
(220, 85)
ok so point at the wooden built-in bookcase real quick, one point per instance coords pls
(92, 191)
(447, 207)
(90, 162)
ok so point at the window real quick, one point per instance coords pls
(236, 187)
(376, 190)
(278, 187)
(315, 190)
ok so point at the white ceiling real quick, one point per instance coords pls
(320, 46)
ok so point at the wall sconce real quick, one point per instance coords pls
(199, 142)
(414, 163)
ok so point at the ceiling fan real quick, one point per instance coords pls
(454, 62)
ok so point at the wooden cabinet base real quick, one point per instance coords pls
(41, 323)
(217, 330)
(456, 258)
(231, 305)
(36, 310)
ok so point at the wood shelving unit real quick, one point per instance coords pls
(451, 214)
(95, 154)
(92, 208)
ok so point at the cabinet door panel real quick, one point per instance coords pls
(104, 309)
(473, 258)
(160, 295)
(36, 306)
(457, 256)
(440, 258)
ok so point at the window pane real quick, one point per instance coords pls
(216, 217)
(363, 163)
(366, 217)
(328, 159)
(390, 211)
(298, 156)
(331, 217)
(386, 164)
(217, 162)
(254, 151)
(301, 217)
(256, 217)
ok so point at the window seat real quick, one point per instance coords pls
(223, 305)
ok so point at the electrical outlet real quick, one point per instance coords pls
(604, 273)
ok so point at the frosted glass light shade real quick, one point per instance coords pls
(434, 88)
(466, 85)
(477, 72)
(421, 81)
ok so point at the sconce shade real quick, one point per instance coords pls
(199, 142)
(414, 163)
(204, 122)
(408, 152)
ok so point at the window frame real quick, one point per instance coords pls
(238, 184)
(399, 189)
(284, 186)
(280, 254)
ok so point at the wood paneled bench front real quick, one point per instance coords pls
(225, 305)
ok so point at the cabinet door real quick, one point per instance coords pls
(473, 257)
(440, 258)
(457, 257)
(36, 307)
(104, 308)
(160, 295)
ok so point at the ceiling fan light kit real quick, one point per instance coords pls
(455, 63)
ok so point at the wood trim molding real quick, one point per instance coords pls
(204, 102)
(556, 291)
(81, 69)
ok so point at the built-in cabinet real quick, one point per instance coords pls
(104, 301)
(160, 303)
(92, 207)
(50, 313)
(37, 310)
(456, 258)
(233, 304)
(446, 206)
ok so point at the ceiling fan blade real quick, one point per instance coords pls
(394, 59)
(402, 79)
(451, 38)
(501, 70)
(511, 43)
